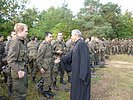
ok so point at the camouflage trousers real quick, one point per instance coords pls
(20, 87)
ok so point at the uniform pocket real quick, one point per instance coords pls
(14, 74)
(21, 55)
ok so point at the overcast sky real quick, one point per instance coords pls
(75, 5)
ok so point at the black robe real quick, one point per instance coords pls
(81, 72)
(66, 61)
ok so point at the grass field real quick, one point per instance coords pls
(115, 82)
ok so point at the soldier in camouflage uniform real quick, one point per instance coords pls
(2, 54)
(70, 46)
(101, 52)
(32, 52)
(59, 47)
(17, 58)
(130, 47)
(9, 80)
(91, 45)
(45, 62)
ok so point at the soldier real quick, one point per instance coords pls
(101, 52)
(70, 46)
(9, 80)
(45, 63)
(32, 51)
(2, 54)
(59, 47)
(130, 47)
(16, 59)
(91, 45)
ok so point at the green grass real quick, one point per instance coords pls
(110, 83)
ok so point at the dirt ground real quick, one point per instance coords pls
(115, 82)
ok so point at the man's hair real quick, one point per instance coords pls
(76, 32)
(19, 27)
(47, 33)
(1, 35)
(32, 37)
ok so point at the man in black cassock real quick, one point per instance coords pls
(81, 70)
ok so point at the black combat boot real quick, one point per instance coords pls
(47, 94)
(51, 93)
(69, 79)
(3, 98)
(10, 92)
(62, 81)
(33, 79)
(55, 86)
(5, 77)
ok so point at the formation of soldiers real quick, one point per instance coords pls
(46, 55)
(101, 48)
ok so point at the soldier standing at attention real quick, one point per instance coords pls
(59, 47)
(16, 59)
(2, 53)
(32, 52)
(45, 63)
(9, 79)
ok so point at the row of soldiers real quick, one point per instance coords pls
(101, 48)
(46, 55)
(117, 46)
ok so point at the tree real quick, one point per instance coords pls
(125, 29)
(55, 20)
(9, 10)
(91, 21)
(110, 13)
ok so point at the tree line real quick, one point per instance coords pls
(95, 18)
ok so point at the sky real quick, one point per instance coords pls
(75, 5)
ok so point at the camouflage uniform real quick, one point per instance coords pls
(100, 52)
(92, 51)
(9, 80)
(17, 58)
(130, 47)
(45, 61)
(70, 46)
(32, 52)
(58, 68)
(2, 54)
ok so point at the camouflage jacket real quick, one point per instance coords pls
(45, 55)
(17, 56)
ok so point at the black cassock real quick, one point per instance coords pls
(81, 72)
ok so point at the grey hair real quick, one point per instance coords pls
(76, 32)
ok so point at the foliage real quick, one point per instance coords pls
(95, 18)
(91, 21)
(9, 11)
(125, 28)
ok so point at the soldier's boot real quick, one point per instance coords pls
(69, 79)
(10, 92)
(3, 98)
(47, 94)
(62, 81)
(5, 77)
(55, 86)
(33, 79)
(51, 93)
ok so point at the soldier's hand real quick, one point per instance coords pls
(42, 70)
(57, 61)
(59, 51)
(21, 74)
